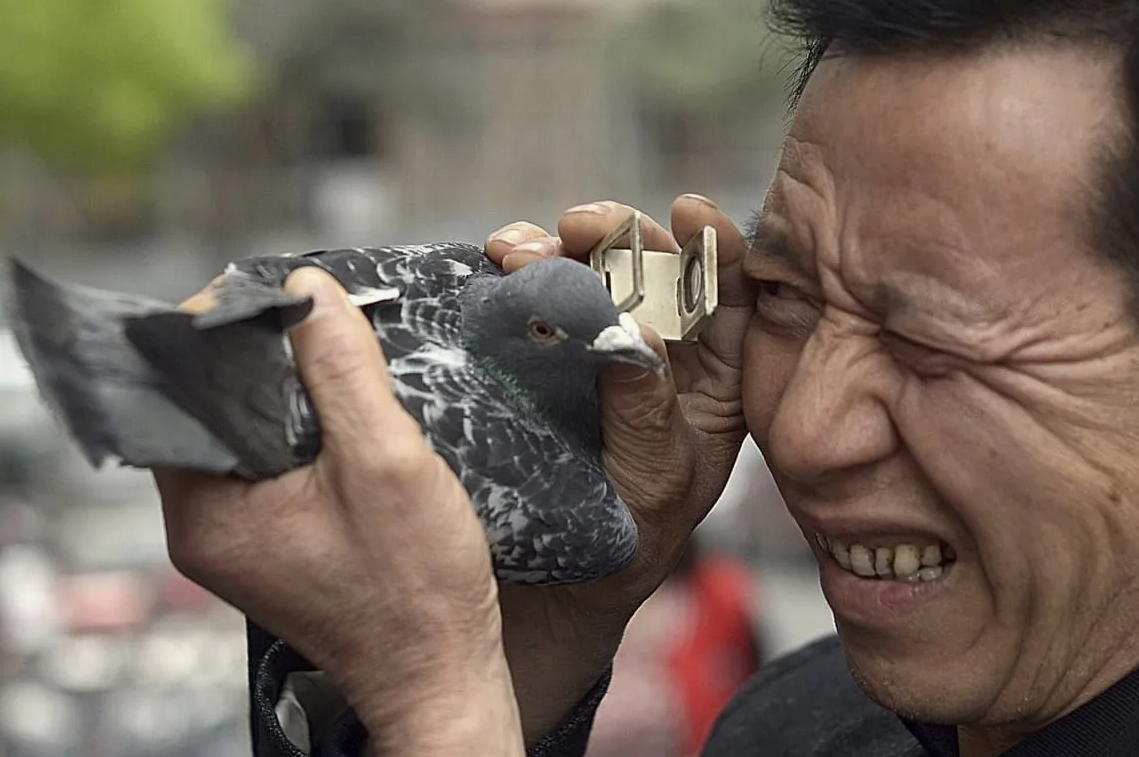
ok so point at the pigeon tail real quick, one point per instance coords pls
(136, 380)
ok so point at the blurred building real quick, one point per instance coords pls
(451, 118)
(375, 121)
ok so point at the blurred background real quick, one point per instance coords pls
(145, 144)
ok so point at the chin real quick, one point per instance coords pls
(920, 685)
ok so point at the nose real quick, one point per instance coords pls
(833, 414)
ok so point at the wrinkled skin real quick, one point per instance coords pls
(939, 353)
(940, 350)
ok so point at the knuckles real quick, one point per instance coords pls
(398, 467)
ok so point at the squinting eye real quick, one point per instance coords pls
(786, 308)
(779, 290)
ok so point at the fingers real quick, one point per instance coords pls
(502, 242)
(690, 214)
(581, 228)
(344, 370)
(641, 423)
(528, 252)
(579, 231)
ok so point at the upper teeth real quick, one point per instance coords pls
(906, 562)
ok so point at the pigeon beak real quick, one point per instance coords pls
(624, 344)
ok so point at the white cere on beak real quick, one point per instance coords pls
(615, 339)
(629, 323)
(625, 343)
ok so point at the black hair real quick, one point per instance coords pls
(885, 27)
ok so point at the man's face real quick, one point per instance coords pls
(945, 379)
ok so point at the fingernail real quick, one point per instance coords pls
(537, 248)
(593, 208)
(512, 235)
(310, 281)
(702, 200)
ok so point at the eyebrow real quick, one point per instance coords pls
(766, 241)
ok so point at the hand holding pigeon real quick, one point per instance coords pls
(669, 447)
(499, 371)
(528, 438)
(371, 561)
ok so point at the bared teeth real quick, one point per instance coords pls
(884, 562)
(907, 560)
(903, 562)
(841, 553)
(861, 561)
(928, 574)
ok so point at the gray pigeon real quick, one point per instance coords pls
(499, 370)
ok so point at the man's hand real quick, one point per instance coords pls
(669, 447)
(371, 562)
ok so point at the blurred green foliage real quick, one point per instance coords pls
(698, 57)
(99, 85)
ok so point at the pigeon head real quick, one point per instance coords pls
(557, 311)
(546, 330)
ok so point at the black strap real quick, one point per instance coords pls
(258, 641)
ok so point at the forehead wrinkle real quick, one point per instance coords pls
(905, 245)
(954, 214)
(800, 197)
(943, 317)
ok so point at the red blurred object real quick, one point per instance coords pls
(718, 651)
(104, 602)
(178, 594)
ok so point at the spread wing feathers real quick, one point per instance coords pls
(109, 398)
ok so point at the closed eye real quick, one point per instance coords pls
(786, 307)
(779, 290)
(921, 358)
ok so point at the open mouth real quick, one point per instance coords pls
(900, 561)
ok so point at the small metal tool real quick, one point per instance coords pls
(673, 294)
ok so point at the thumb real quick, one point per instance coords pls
(343, 369)
(646, 437)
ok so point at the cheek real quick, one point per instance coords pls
(1034, 508)
(769, 363)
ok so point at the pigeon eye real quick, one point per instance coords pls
(540, 331)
